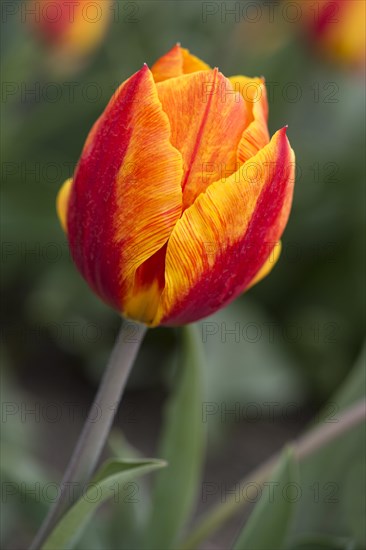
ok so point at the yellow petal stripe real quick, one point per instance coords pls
(221, 241)
(255, 135)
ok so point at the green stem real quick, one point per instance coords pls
(95, 432)
(306, 445)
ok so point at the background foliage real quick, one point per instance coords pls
(294, 338)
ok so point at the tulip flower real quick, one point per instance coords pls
(72, 28)
(180, 196)
(337, 28)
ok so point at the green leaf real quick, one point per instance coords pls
(323, 542)
(105, 484)
(182, 446)
(354, 385)
(244, 341)
(333, 478)
(269, 522)
(127, 522)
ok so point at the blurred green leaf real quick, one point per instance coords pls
(354, 386)
(182, 446)
(269, 522)
(333, 479)
(321, 506)
(105, 484)
(126, 525)
(248, 362)
(323, 542)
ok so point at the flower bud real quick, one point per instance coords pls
(180, 196)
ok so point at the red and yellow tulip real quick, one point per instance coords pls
(337, 28)
(180, 196)
(72, 28)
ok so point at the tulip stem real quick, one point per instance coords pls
(95, 432)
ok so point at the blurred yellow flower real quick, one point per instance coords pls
(71, 29)
(337, 29)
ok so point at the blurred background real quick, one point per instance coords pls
(277, 356)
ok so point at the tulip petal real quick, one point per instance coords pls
(255, 136)
(207, 119)
(62, 202)
(85, 33)
(222, 241)
(176, 62)
(267, 266)
(126, 195)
